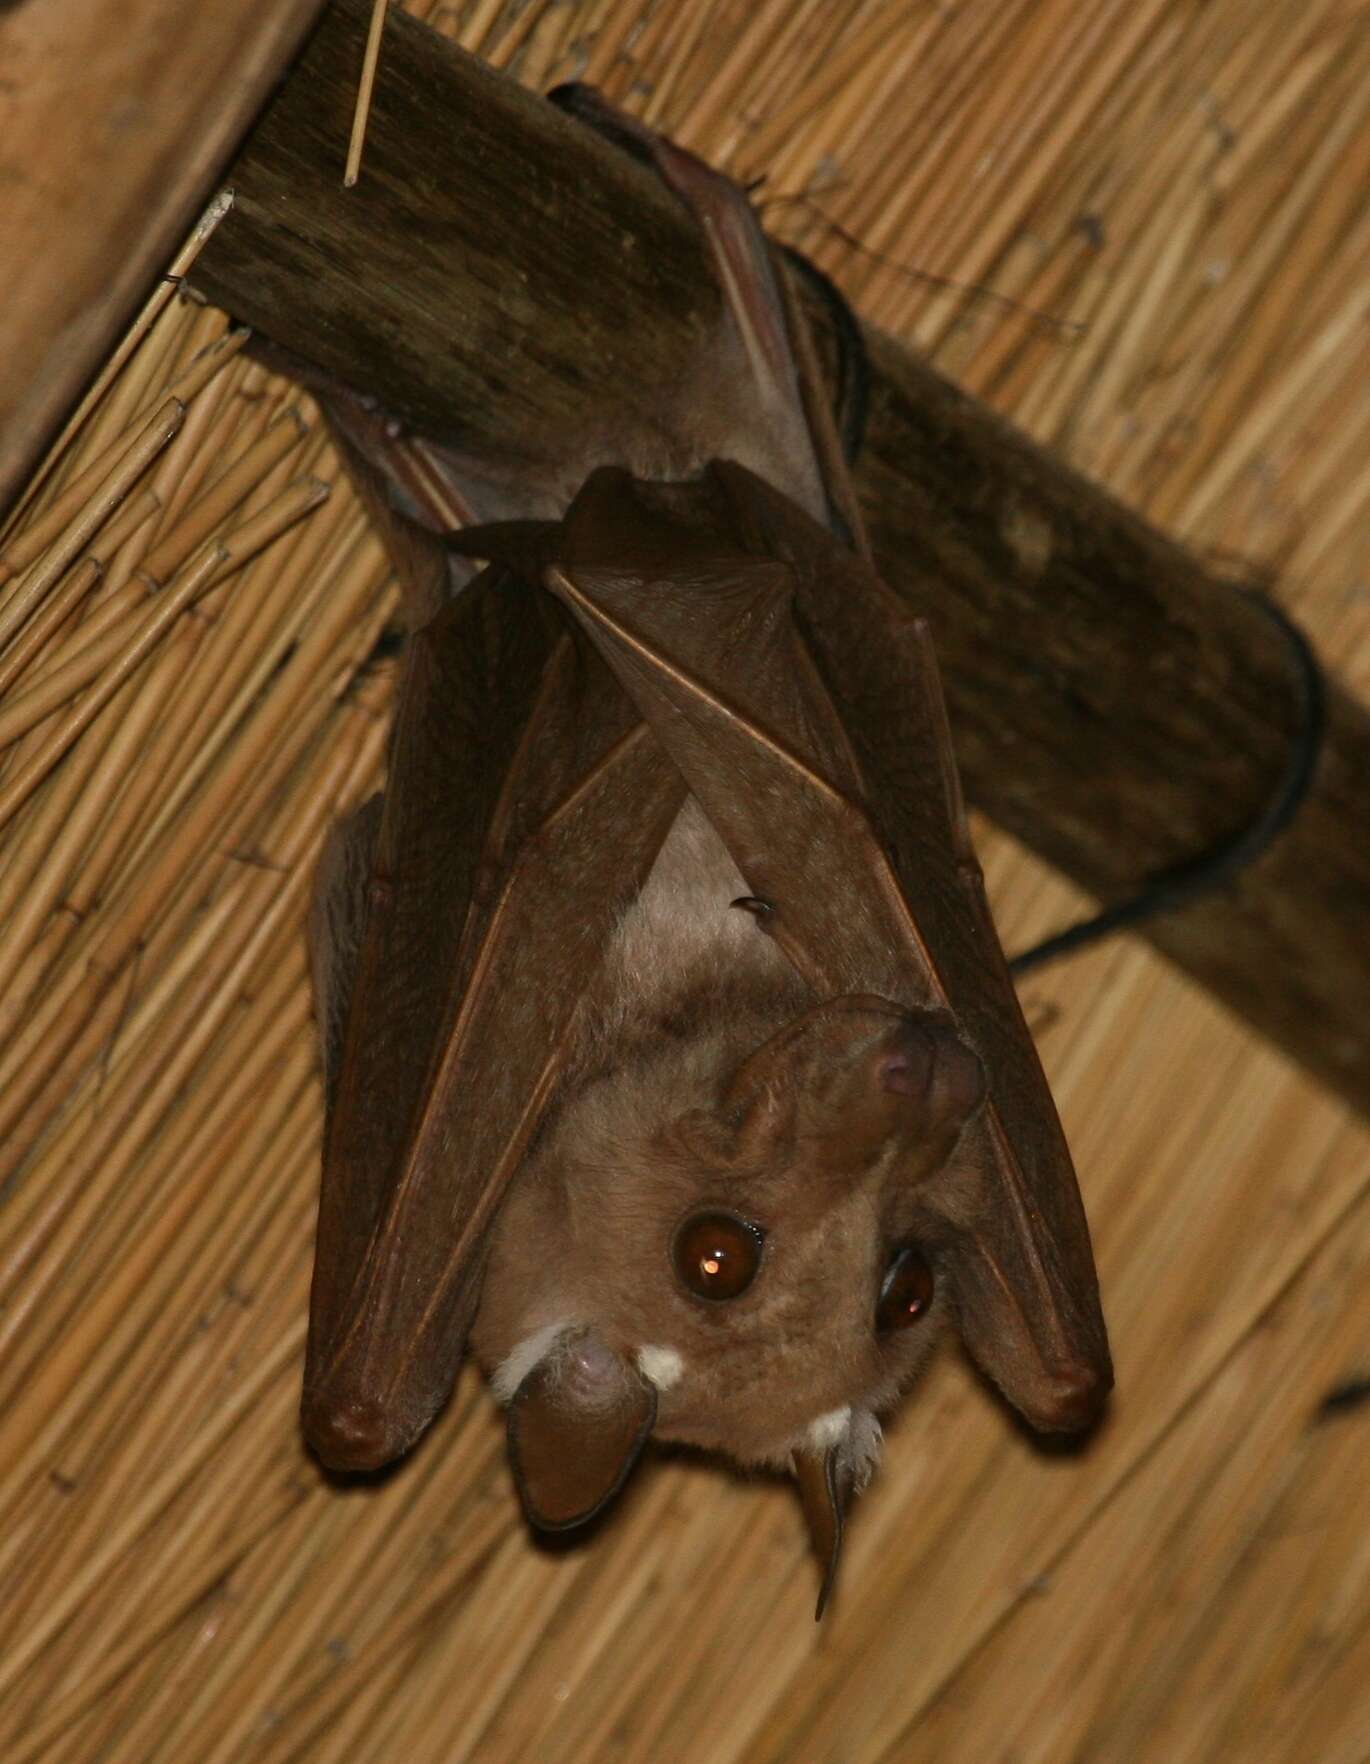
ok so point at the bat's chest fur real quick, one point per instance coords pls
(685, 965)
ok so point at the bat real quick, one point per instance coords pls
(672, 1066)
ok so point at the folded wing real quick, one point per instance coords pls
(492, 891)
(741, 629)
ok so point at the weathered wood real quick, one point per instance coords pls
(498, 271)
(501, 279)
(115, 116)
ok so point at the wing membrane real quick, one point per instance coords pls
(738, 635)
(494, 890)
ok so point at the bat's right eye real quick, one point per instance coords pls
(905, 1292)
(716, 1255)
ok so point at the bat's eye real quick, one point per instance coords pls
(905, 1292)
(717, 1254)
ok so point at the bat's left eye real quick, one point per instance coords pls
(717, 1254)
(905, 1292)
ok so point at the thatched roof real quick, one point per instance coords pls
(1188, 186)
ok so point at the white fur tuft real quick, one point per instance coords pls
(520, 1361)
(827, 1430)
(661, 1366)
(857, 1432)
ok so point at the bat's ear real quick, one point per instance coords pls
(917, 1080)
(577, 1425)
(855, 1073)
(828, 1474)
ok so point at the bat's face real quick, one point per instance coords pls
(765, 1257)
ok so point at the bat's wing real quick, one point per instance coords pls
(1027, 1289)
(526, 803)
(337, 924)
(740, 628)
(850, 823)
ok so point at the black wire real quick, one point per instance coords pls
(1177, 887)
(1185, 882)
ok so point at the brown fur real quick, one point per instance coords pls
(659, 1120)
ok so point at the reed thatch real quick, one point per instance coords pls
(190, 602)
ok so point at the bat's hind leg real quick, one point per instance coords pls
(786, 431)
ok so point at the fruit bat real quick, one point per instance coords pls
(672, 1064)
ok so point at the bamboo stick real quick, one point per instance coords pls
(28, 592)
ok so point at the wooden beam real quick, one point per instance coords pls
(115, 118)
(503, 280)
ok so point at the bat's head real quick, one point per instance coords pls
(757, 1273)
